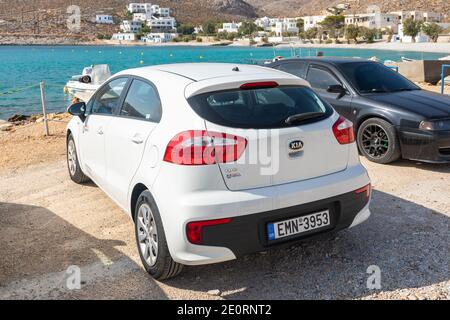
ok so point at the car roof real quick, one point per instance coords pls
(203, 71)
(329, 60)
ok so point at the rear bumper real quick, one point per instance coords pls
(249, 210)
(248, 234)
(425, 146)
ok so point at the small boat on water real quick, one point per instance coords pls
(90, 80)
(404, 59)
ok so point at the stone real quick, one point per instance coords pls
(215, 292)
(18, 117)
(6, 126)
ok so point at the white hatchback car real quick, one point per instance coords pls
(213, 161)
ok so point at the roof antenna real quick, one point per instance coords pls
(236, 69)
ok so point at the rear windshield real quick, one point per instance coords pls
(259, 108)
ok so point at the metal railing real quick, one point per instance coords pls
(41, 86)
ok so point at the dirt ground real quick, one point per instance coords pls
(48, 224)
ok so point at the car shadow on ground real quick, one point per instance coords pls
(435, 167)
(39, 246)
(408, 242)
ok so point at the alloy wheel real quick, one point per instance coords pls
(147, 234)
(375, 141)
(72, 158)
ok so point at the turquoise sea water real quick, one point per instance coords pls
(23, 66)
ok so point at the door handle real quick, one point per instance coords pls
(137, 139)
(100, 131)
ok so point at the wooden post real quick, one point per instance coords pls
(44, 108)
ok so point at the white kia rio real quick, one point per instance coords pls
(214, 161)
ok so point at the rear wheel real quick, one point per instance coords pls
(378, 141)
(151, 240)
(75, 172)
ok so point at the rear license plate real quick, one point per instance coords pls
(299, 225)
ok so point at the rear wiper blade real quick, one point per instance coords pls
(297, 118)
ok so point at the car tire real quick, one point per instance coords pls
(151, 240)
(73, 165)
(378, 141)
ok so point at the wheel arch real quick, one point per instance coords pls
(137, 190)
(368, 116)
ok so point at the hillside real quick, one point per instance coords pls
(310, 7)
(44, 17)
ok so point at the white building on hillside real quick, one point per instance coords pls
(104, 19)
(139, 7)
(312, 21)
(161, 37)
(426, 16)
(381, 21)
(161, 12)
(230, 27)
(162, 24)
(124, 36)
(133, 26)
(286, 25)
(141, 16)
(263, 22)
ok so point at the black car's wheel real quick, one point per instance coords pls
(75, 172)
(378, 141)
(151, 240)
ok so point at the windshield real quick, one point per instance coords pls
(260, 108)
(371, 77)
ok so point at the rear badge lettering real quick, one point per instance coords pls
(295, 148)
(232, 173)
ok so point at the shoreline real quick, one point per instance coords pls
(440, 47)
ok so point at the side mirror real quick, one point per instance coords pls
(78, 109)
(339, 89)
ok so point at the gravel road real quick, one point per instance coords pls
(48, 224)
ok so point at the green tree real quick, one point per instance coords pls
(412, 28)
(333, 24)
(231, 36)
(368, 34)
(210, 28)
(352, 33)
(248, 28)
(301, 25)
(185, 29)
(144, 30)
(433, 30)
(128, 15)
(311, 33)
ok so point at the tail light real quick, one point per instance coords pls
(200, 147)
(366, 190)
(259, 85)
(343, 131)
(194, 229)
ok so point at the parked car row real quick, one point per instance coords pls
(213, 161)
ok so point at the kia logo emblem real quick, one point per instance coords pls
(296, 145)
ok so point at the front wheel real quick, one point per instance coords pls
(378, 141)
(151, 240)
(75, 172)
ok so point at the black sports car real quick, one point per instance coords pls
(393, 117)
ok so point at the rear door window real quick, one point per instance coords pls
(321, 79)
(296, 68)
(142, 102)
(258, 108)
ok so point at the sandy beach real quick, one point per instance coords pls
(440, 47)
